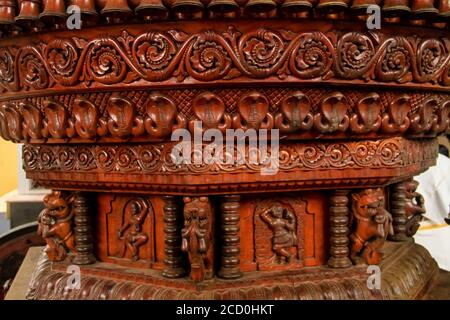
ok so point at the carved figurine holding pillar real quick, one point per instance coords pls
(56, 225)
(414, 207)
(373, 223)
(197, 236)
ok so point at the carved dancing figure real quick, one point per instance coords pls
(282, 223)
(55, 225)
(131, 231)
(373, 224)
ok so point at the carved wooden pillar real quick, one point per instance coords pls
(83, 231)
(397, 209)
(339, 217)
(172, 239)
(230, 267)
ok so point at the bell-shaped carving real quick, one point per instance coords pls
(332, 6)
(223, 7)
(152, 10)
(115, 11)
(29, 13)
(54, 13)
(258, 7)
(295, 8)
(359, 7)
(87, 10)
(423, 9)
(7, 11)
(187, 6)
(395, 8)
(444, 10)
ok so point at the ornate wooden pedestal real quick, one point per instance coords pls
(357, 110)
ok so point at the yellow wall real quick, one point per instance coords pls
(8, 166)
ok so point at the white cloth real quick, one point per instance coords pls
(434, 185)
(437, 241)
(434, 233)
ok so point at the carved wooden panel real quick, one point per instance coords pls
(286, 232)
(126, 229)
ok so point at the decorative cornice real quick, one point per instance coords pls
(228, 55)
(153, 116)
(149, 167)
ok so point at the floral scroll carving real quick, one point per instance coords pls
(223, 55)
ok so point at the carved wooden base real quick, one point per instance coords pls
(406, 272)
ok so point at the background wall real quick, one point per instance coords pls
(8, 166)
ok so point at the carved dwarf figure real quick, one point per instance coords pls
(131, 232)
(414, 207)
(56, 225)
(372, 225)
(197, 236)
(282, 223)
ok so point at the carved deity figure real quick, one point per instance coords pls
(414, 207)
(197, 236)
(56, 225)
(372, 225)
(131, 232)
(283, 225)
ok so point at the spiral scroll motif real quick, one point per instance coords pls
(208, 60)
(354, 54)
(312, 57)
(261, 51)
(32, 70)
(105, 64)
(395, 63)
(223, 55)
(152, 53)
(62, 58)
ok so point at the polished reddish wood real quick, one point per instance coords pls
(358, 115)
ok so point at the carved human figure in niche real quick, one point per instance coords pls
(55, 225)
(373, 224)
(197, 236)
(131, 232)
(414, 207)
(283, 225)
